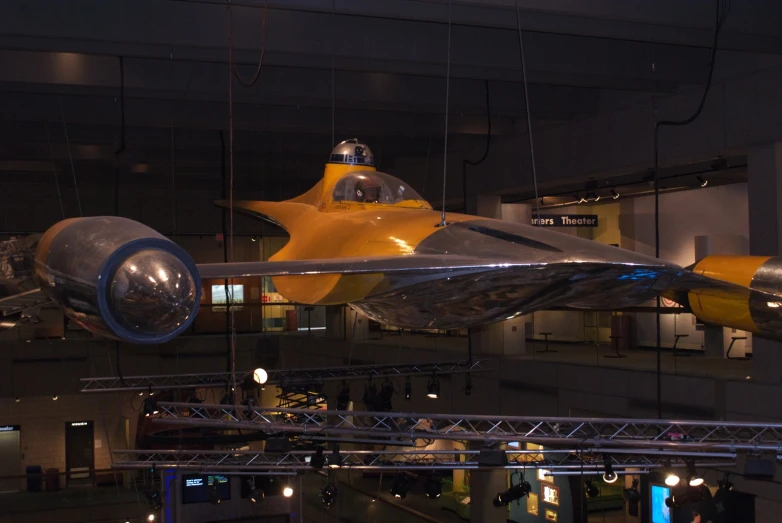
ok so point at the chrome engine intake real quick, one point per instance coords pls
(119, 278)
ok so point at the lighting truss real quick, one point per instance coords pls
(604, 432)
(283, 378)
(576, 461)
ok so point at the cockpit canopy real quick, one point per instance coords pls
(374, 187)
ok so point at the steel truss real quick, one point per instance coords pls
(579, 432)
(561, 460)
(282, 378)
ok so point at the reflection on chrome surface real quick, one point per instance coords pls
(152, 293)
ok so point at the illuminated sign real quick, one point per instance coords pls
(194, 482)
(9, 428)
(80, 423)
(565, 220)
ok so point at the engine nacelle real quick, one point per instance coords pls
(119, 278)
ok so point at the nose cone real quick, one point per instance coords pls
(153, 293)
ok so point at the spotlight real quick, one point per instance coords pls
(702, 181)
(609, 476)
(252, 238)
(255, 495)
(127, 520)
(150, 407)
(260, 376)
(287, 491)
(343, 398)
(328, 494)
(318, 460)
(153, 498)
(335, 460)
(214, 494)
(408, 389)
(515, 492)
(151, 517)
(55, 397)
(433, 387)
(386, 396)
(672, 479)
(693, 478)
(591, 489)
(18, 399)
(614, 194)
(468, 385)
(433, 488)
(631, 494)
(400, 487)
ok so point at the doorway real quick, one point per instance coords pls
(79, 453)
(10, 457)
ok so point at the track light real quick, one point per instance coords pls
(328, 494)
(702, 181)
(214, 494)
(609, 476)
(408, 389)
(515, 492)
(17, 399)
(318, 460)
(693, 478)
(343, 397)
(260, 376)
(55, 397)
(591, 489)
(150, 407)
(151, 517)
(468, 385)
(433, 488)
(614, 194)
(400, 487)
(255, 495)
(433, 387)
(287, 491)
(127, 520)
(335, 460)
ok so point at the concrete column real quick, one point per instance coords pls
(506, 337)
(764, 189)
(485, 484)
(717, 340)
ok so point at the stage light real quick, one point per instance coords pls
(703, 182)
(260, 376)
(151, 517)
(214, 494)
(515, 492)
(672, 479)
(591, 489)
(609, 476)
(255, 495)
(468, 385)
(385, 396)
(693, 478)
(150, 407)
(127, 520)
(631, 494)
(433, 387)
(343, 398)
(17, 399)
(614, 194)
(318, 460)
(328, 494)
(433, 488)
(55, 397)
(287, 491)
(408, 389)
(335, 460)
(400, 487)
(153, 499)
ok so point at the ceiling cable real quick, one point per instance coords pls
(70, 155)
(447, 93)
(264, 35)
(54, 169)
(230, 299)
(466, 161)
(333, 88)
(529, 115)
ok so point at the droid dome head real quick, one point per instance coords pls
(352, 152)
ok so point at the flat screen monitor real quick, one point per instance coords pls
(195, 487)
(660, 511)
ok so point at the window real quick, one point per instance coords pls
(235, 296)
(373, 187)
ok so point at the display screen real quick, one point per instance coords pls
(195, 488)
(660, 511)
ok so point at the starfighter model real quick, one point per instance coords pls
(367, 239)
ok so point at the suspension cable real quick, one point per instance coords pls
(447, 100)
